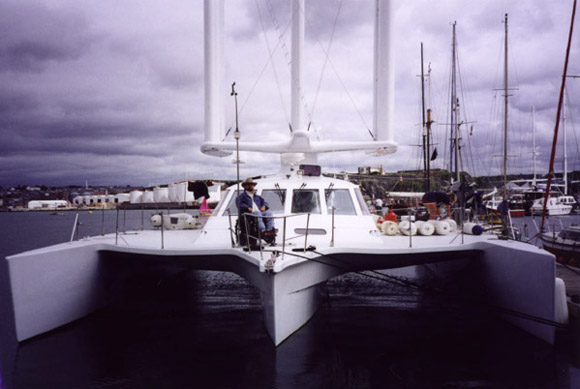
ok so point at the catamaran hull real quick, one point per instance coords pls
(56, 285)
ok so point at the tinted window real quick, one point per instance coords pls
(232, 208)
(275, 199)
(305, 201)
(341, 201)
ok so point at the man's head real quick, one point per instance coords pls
(249, 185)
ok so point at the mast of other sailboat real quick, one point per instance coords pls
(453, 155)
(505, 113)
(560, 101)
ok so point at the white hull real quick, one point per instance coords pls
(553, 211)
(56, 285)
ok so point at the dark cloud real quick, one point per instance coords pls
(34, 35)
(112, 91)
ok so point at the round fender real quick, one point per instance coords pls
(156, 220)
(452, 224)
(390, 228)
(407, 228)
(441, 227)
(425, 228)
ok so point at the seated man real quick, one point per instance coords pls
(249, 201)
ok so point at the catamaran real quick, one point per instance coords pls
(324, 228)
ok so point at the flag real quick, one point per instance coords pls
(434, 155)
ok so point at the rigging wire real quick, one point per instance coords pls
(328, 61)
(464, 106)
(262, 71)
(276, 26)
(326, 57)
(571, 116)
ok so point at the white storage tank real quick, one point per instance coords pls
(148, 197)
(215, 193)
(136, 197)
(161, 195)
(120, 198)
(181, 191)
(182, 194)
(172, 192)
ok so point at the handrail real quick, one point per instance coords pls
(332, 229)
(162, 226)
(306, 235)
(74, 227)
(284, 239)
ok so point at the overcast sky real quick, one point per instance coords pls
(111, 91)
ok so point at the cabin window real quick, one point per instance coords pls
(232, 208)
(276, 198)
(341, 201)
(361, 202)
(306, 201)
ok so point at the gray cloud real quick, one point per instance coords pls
(112, 92)
(35, 36)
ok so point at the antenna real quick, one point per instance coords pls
(237, 137)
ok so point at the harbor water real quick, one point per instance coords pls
(195, 329)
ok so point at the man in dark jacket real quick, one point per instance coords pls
(250, 202)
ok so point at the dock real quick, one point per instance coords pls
(571, 277)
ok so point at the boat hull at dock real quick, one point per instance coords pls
(56, 285)
(565, 245)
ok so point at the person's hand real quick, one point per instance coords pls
(250, 209)
(263, 209)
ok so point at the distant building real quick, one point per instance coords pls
(367, 170)
(48, 204)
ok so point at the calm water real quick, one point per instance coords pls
(205, 330)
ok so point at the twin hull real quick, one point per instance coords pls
(56, 285)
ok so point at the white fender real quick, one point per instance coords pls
(452, 224)
(472, 229)
(425, 228)
(407, 228)
(441, 227)
(390, 228)
(156, 220)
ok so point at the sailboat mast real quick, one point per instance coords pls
(534, 153)
(565, 147)
(453, 147)
(425, 154)
(560, 101)
(505, 109)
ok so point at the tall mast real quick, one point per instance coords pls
(425, 153)
(560, 101)
(505, 109)
(428, 124)
(453, 148)
(299, 148)
(297, 64)
(565, 147)
(534, 152)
